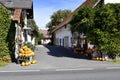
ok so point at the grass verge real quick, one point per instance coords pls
(117, 61)
(2, 63)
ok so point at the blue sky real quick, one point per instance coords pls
(43, 9)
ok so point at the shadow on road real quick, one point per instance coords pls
(58, 51)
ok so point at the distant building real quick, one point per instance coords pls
(46, 37)
(111, 1)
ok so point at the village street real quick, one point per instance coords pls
(91, 26)
(58, 58)
(58, 63)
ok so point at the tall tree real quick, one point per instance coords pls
(56, 18)
(82, 20)
(116, 9)
(106, 31)
(101, 27)
(33, 26)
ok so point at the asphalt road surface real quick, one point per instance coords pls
(58, 63)
(104, 74)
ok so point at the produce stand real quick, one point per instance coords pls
(26, 56)
(25, 59)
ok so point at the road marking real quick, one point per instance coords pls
(78, 69)
(22, 71)
(112, 67)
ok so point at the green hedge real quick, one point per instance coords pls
(5, 23)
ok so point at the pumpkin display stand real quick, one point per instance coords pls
(26, 56)
(25, 59)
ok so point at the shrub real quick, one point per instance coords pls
(5, 22)
(30, 45)
(6, 59)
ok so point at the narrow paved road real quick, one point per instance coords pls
(54, 57)
(105, 74)
(58, 63)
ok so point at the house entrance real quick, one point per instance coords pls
(66, 41)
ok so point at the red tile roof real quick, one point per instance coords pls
(91, 3)
(45, 33)
(17, 14)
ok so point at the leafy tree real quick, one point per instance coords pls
(50, 27)
(35, 30)
(82, 20)
(106, 30)
(116, 9)
(101, 26)
(56, 18)
(33, 26)
(38, 39)
(104, 22)
(105, 19)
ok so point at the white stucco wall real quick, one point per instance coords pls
(28, 38)
(111, 1)
(63, 33)
(33, 41)
(45, 41)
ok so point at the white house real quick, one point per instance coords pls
(62, 35)
(111, 1)
(46, 37)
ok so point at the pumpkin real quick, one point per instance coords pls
(23, 64)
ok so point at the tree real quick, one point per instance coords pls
(56, 18)
(82, 20)
(33, 26)
(116, 9)
(50, 27)
(106, 31)
(101, 26)
(39, 38)
(35, 31)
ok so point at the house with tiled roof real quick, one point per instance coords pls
(62, 35)
(46, 37)
(21, 11)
